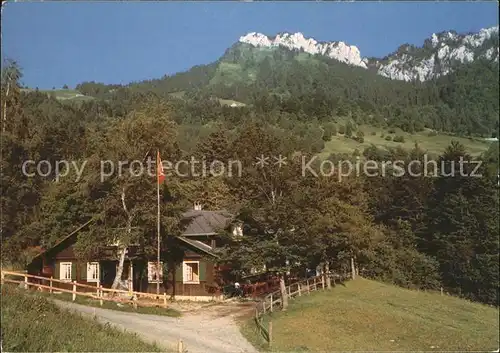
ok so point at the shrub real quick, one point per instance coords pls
(399, 139)
(392, 131)
(419, 126)
(342, 129)
(375, 153)
(388, 138)
(373, 133)
(349, 129)
(329, 130)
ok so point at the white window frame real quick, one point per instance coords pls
(90, 272)
(238, 230)
(65, 272)
(184, 272)
(151, 266)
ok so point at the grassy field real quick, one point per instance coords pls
(372, 316)
(230, 102)
(227, 102)
(228, 73)
(372, 135)
(178, 94)
(63, 94)
(30, 323)
(114, 306)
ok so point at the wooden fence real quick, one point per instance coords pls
(96, 292)
(273, 300)
(258, 289)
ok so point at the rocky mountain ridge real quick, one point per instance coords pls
(437, 57)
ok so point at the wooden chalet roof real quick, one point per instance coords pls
(62, 241)
(202, 223)
(206, 222)
(199, 245)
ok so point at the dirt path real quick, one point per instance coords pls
(209, 330)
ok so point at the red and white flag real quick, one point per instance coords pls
(159, 169)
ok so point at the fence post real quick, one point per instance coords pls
(315, 287)
(180, 346)
(271, 304)
(74, 290)
(257, 317)
(323, 282)
(270, 332)
(100, 295)
(165, 299)
(26, 281)
(3, 277)
(290, 291)
(298, 284)
(308, 289)
(441, 290)
(50, 290)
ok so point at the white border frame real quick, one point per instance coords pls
(70, 271)
(184, 263)
(98, 272)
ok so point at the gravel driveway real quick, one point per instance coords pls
(206, 331)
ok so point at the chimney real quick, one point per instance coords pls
(197, 206)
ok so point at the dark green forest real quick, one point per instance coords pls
(414, 231)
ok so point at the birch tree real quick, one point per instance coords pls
(129, 151)
(11, 88)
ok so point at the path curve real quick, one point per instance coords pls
(201, 332)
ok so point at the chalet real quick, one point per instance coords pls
(196, 276)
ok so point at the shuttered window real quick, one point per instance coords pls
(191, 272)
(179, 273)
(65, 271)
(203, 271)
(92, 271)
(82, 271)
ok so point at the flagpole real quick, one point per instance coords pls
(158, 227)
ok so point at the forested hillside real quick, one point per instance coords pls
(463, 102)
(415, 231)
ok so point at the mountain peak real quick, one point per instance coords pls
(340, 51)
(439, 55)
(256, 39)
(470, 39)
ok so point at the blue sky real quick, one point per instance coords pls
(67, 43)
